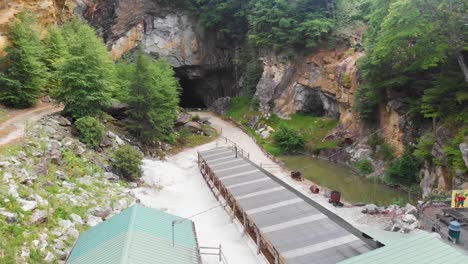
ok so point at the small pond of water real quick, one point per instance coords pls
(353, 188)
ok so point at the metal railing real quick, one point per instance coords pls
(214, 251)
(235, 147)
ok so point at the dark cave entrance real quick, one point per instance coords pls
(190, 94)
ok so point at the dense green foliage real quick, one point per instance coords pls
(403, 170)
(293, 23)
(423, 151)
(87, 76)
(414, 49)
(73, 65)
(364, 166)
(268, 23)
(127, 161)
(380, 149)
(24, 75)
(452, 150)
(55, 54)
(153, 98)
(312, 128)
(251, 67)
(90, 131)
(289, 140)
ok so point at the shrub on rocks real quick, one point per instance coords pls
(364, 166)
(90, 130)
(289, 140)
(127, 162)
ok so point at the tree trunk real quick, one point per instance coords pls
(461, 62)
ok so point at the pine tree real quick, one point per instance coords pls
(54, 56)
(24, 74)
(154, 97)
(87, 75)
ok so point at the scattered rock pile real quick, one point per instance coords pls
(404, 219)
(52, 187)
(193, 123)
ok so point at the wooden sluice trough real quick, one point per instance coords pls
(286, 225)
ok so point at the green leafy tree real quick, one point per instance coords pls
(127, 161)
(364, 166)
(403, 170)
(24, 75)
(228, 17)
(349, 15)
(125, 73)
(87, 75)
(90, 130)
(153, 99)
(55, 54)
(423, 151)
(411, 46)
(289, 140)
(282, 23)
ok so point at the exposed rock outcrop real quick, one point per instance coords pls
(48, 12)
(202, 62)
(322, 83)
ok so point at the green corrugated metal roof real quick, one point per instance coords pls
(137, 235)
(387, 237)
(420, 248)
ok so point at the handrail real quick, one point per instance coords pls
(236, 147)
(219, 252)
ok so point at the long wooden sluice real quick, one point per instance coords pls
(287, 226)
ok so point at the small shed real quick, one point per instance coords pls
(138, 235)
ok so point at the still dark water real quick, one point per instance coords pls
(353, 188)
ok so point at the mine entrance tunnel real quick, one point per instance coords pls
(190, 94)
(200, 88)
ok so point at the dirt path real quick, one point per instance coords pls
(14, 126)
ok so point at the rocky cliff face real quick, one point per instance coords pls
(322, 83)
(203, 63)
(48, 12)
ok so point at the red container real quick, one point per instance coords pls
(296, 175)
(314, 189)
(335, 197)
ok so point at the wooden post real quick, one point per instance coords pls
(259, 241)
(233, 212)
(245, 224)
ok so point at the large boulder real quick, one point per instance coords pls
(183, 119)
(194, 127)
(93, 220)
(10, 217)
(27, 206)
(221, 105)
(38, 217)
(118, 110)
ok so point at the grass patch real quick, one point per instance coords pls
(187, 139)
(240, 106)
(313, 128)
